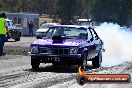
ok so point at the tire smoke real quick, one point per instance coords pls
(117, 42)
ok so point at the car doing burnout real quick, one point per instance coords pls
(69, 45)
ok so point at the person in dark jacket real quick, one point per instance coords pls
(30, 26)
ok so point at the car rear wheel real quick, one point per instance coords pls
(96, 62)
(17, 39)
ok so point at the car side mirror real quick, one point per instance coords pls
(103, 50)
(90, 40)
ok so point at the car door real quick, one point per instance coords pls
(96, 41)
(91, 46)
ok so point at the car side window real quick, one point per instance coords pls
(50, 32)
(89, 35)
(94, 34)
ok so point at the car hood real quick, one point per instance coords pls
(42, 30)
(67, 42)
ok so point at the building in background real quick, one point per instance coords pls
(23, 19)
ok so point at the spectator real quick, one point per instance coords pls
(30, 26)
(2, 32)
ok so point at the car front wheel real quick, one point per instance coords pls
(35, 65)
(84, 60)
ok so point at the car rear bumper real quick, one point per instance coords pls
(13, 34)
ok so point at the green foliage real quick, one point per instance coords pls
(65, 9)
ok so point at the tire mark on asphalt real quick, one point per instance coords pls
(28, 76)
(48, 83)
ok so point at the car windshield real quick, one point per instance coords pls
(68, 32)
(82, 23)
(46, 26)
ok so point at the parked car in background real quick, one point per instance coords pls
(13, 31)
(83, 22)
(43, 29)
(67, 44)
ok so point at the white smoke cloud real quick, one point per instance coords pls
(117, 42)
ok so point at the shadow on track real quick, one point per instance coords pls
(57, 69)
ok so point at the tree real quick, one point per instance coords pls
(65, 9)
(111, 11)
(116, 11)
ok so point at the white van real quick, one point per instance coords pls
(43, 29)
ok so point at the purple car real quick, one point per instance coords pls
(67, 45)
